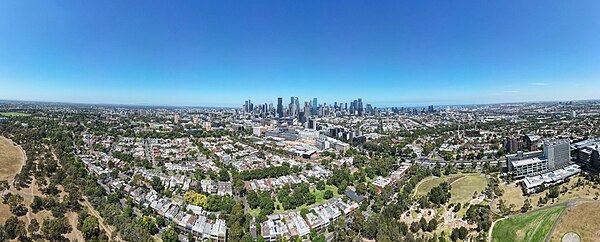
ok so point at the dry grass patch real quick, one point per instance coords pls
(11, 159)
(583, 219)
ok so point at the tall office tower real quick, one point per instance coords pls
(369, 109)
(360, 107)
(346, 107)
(307, 109)
(430, 109)
(557, 152)
(280, 107)
(315, 106)
(297, 105)
(246, 105)
(294, 106)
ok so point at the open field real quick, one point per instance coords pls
(11, 159)
(430, 182)
(530, 227)
(513, 194)
(427, 184)
(13, 114)
(464, 188)
(583, 219)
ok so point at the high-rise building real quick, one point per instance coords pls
(315, 106)
(280, 107)
(513, 144)
(360, 107)
(307, 109)
(558, 153)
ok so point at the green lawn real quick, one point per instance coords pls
(14, 114)
(531, 227)
(463, 188)
(254, 212)
(430, 182)
(427, 184)
(319, 194)
(319, 199)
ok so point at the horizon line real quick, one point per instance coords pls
(232, 107)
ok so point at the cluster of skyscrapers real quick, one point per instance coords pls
(294, 109)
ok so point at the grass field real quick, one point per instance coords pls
(13, 114)
(583, 219)
(513, 195)
(427, 184)
(11, 159)
(532, 227)
(464, 188)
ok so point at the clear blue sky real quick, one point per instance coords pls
(219, 53)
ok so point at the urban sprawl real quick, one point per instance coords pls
(312, 171)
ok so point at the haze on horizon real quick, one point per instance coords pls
(220, 53)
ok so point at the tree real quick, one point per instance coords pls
(37, 204)
(321, 185)
(191, 197)
(361, 188)
(526, 206)
(253, 199)
(440, 194)
(34, 226)
(457, 207)
(553, 192)
(90, 227)
(160, 221)
(156, 184)
(148, 223)
(328, 194)
(223, 175)
(14, 227)
(170, 235)
(459, 233)
(55, 228)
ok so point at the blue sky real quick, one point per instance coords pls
(219, 53)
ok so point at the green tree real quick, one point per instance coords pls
(55, 228)
(321, 185)
(90, 227)
(14, 227)
(148, 223)
(170, 235)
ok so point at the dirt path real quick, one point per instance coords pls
(110, 231)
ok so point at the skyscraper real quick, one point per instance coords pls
(279, 107)
(557, 152)
(360, 107)
(315, 106)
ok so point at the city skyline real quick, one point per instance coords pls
(213, 54)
